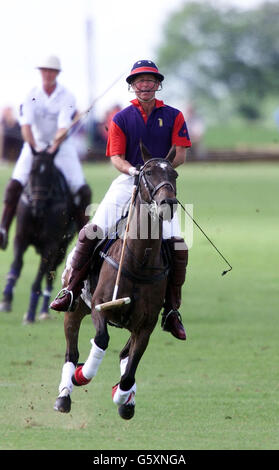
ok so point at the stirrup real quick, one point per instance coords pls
(165, 316)
(62, 293)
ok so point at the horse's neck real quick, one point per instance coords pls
(145, 237)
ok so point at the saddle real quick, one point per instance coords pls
(101, 255)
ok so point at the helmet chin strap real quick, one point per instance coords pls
(140, 99)
(150, 99)
(146, 101)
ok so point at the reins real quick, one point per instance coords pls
(152, 191)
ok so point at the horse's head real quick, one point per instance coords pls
(157, 183)
(40, 179)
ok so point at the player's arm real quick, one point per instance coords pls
(58, 139)
(122, 165)
(181, 139)
(27, 135)
(67, 115)
(116, 148)
(180, 156)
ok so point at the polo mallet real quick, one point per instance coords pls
(79, 118)
(125, 300)
(210, 241)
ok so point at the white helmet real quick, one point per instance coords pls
(50, 62)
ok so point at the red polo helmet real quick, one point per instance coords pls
(144, 66)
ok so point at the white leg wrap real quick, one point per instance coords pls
(125, 397)
(66, 378)
(91, 366)
(123, 365)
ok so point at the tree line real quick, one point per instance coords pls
(216, 54)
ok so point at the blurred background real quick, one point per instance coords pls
(220, 60)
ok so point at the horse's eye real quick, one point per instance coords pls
(148, 172)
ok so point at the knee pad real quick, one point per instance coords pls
(83, 197)
(85, 246)
(179, 260)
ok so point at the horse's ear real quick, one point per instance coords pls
(171, 155)
(144, 152)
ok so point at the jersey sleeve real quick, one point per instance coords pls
(67, 112)
(180, 135)
(26, 111)
(116, 144)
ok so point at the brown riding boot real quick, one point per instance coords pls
(11, 198)
(82, 199)
(80, 263)
(171, 318)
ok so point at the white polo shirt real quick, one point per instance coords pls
(46, 114)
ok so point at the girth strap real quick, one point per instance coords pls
(136, 277)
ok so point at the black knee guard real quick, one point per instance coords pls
(82, 199)
(179, 260)
(11, 198)
(85, 246)
(13, 192)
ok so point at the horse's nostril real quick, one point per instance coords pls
(168, 201)
(167, 208)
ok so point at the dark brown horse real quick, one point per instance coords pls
(143, 282)
(45, 220)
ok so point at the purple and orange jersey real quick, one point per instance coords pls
(163, 128)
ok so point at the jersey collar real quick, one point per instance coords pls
(55, 91)
(158, 103)
(138, 105)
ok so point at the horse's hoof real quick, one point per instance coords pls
(27, 320)
(5, 306)
(63, 404)
(126, 411)
(45, 316)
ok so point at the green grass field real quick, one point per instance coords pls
(239, 134)
(219, 389)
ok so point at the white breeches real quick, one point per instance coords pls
(116, 203)
(66, 160)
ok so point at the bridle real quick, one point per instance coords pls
(149, 186)
(157, 272)
(42, 192)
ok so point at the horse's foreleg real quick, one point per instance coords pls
(12, 276)
(72, 321)
(29, 317)
(125, 351)
(137, 348)
(44, 313)
(89, 369)
(124, 357)
(124, 393)
(8, 292)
